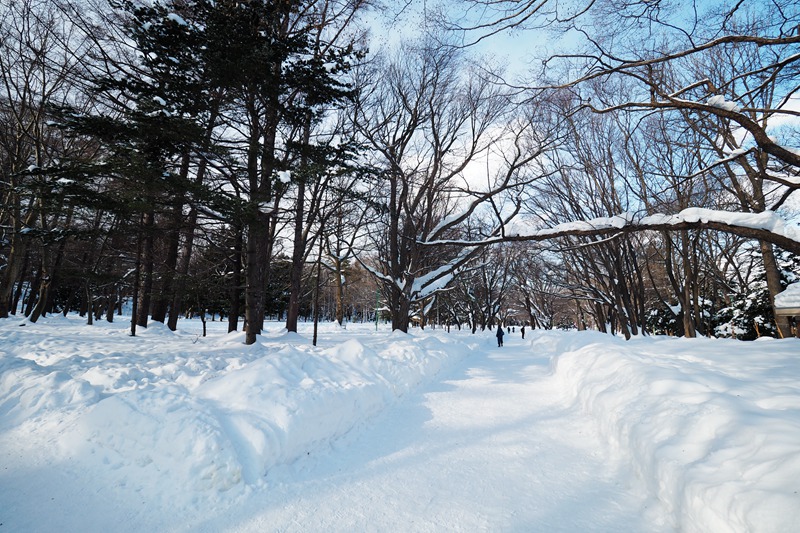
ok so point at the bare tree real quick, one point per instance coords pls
(332, 23)
(429, 120)
(41, 62)
(728, 72)
(538, 284)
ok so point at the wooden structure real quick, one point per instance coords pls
(791, 312)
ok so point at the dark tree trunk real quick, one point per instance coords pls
(298, 255)
(256, 278)
(339, 291)
(147, 260)
(163, 298)
(14, 263)
(300, 237)
(401, 308)
(41, 301)
(19, 290)
(774, 286)
(236, 283)
(87, 289)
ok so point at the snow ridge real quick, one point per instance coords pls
(706, 432)
(212, 417)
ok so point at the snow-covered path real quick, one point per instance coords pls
(487, 446)
(382, 431)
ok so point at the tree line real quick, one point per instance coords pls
(256, 159)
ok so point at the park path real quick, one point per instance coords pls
(488, 446)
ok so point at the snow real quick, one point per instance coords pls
(447, 221)
(711, 426)
(436, 280)
(383, 431)
(767, 220)
(790, 297)
(719, 101)
(284, 176)
(177, 19)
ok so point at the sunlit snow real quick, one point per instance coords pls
(382, 431)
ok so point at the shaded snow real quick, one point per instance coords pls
(386, 431)
(711, 426)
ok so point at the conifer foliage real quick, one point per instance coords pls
(251, 158)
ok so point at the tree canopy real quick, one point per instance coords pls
(278, 158)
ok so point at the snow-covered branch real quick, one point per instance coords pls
(767, 226)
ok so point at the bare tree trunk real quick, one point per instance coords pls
(339, 291)
(255, 276)
(401, 309)
(19, 290)
(298, 255)
(316, 294)
(87, 289)
(300, 236)
(41, 300)
(136, 280)
(111, 303)
(580, 317)
(163, 298)
(14, 263)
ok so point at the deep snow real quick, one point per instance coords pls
(381, 431)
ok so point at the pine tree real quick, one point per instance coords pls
(150, 123)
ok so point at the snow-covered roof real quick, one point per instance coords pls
(788, 300)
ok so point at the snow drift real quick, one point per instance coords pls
(211, 417)
(102, 431)
(712, 427)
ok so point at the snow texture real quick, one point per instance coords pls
(719, 101)
(284, 176)
(790, 297)
(711, 426)
(384, 431)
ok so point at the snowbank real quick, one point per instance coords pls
(711, 427)
(195, 421)
(101, 431)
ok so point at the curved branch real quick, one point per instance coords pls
(760, 136)
(766, 226)
(628, 64)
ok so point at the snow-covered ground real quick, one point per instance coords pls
(381, 431)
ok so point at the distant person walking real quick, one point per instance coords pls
(522, 329)
(499, 336)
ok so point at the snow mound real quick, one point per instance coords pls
(294, 402)
(715, 438)
(29, 391)
(155, 438)
(198, 422)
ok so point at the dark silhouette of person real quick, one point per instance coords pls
(522, 329)
(499, 336)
